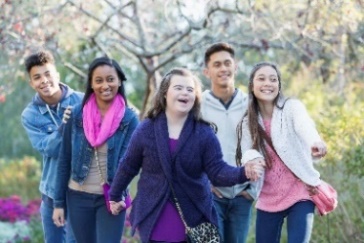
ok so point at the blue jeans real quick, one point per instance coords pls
(90, 220)
(52, 233)
(233, 218)
(299, 224)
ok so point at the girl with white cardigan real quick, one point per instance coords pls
(280, 130)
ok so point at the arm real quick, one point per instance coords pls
(305, 128)
(251, 156)
(44, 141)
(63, 175)
(218, 172)
(129, 166)
(64, 166)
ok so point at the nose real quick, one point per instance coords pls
(105, 85)
(45, 80)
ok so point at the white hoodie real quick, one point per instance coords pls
(226, 121)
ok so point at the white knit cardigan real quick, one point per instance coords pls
(293, 133)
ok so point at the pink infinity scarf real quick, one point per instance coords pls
(98, 130)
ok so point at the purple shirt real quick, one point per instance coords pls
(169, 226)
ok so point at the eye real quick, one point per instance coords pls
(190, 90)
(228, 63)
(111, 79)
(98, 81)
(217, 64)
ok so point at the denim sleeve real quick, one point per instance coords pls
(63, 166)
(46, 143)
(133, 123)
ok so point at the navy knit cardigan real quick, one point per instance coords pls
(197, 160)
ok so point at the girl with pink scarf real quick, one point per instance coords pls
(94, 141)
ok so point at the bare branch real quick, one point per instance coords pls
(124, 37)
(117, 10)
(75, 69)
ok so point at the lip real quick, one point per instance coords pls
(265, 91)
(224, 76)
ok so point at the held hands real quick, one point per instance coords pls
(58, 217)
(67, 114)
(254, 168)
(116, 207)
(216, 192)
(318, 150)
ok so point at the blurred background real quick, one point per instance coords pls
(318, 45)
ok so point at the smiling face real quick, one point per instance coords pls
(265, 84)
(105, 84)
(44, 79)
(221, 69)
(180, 96)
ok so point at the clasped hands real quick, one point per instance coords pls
(254, 169)
(116, 207)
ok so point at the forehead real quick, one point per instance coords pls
(220, 56)
(182, 80)
(40, 69)
(266, 70)
(104, 70)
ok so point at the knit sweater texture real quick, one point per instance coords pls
(293, 132)
(197, 160)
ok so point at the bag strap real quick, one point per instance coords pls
(179, 209)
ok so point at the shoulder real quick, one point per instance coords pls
(292, 105)
(30, 108)
(146, 124)
(205, 128)
(78, 95)
(130, 113)
(206, 96)
(240, 94)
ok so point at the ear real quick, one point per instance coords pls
(206, 73)
(31, 84)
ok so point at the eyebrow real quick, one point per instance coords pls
(179, 85)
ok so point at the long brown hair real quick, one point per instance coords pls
(258, 135)
(160, 103)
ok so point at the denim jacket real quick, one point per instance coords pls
(76, 152)
(45, 135)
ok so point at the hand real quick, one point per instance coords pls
(116, 207)
(254, 168)
(318, 149)
(58, 217)
(216, 192)
(312, 190)
(67, 114)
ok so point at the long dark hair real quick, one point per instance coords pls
(160, 103)
(101, 61)
(258, 135)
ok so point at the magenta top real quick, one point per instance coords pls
(281, 188)
(169, 226)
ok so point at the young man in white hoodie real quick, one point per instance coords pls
(224, 105)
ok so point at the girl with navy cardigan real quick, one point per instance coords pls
(174, 144)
